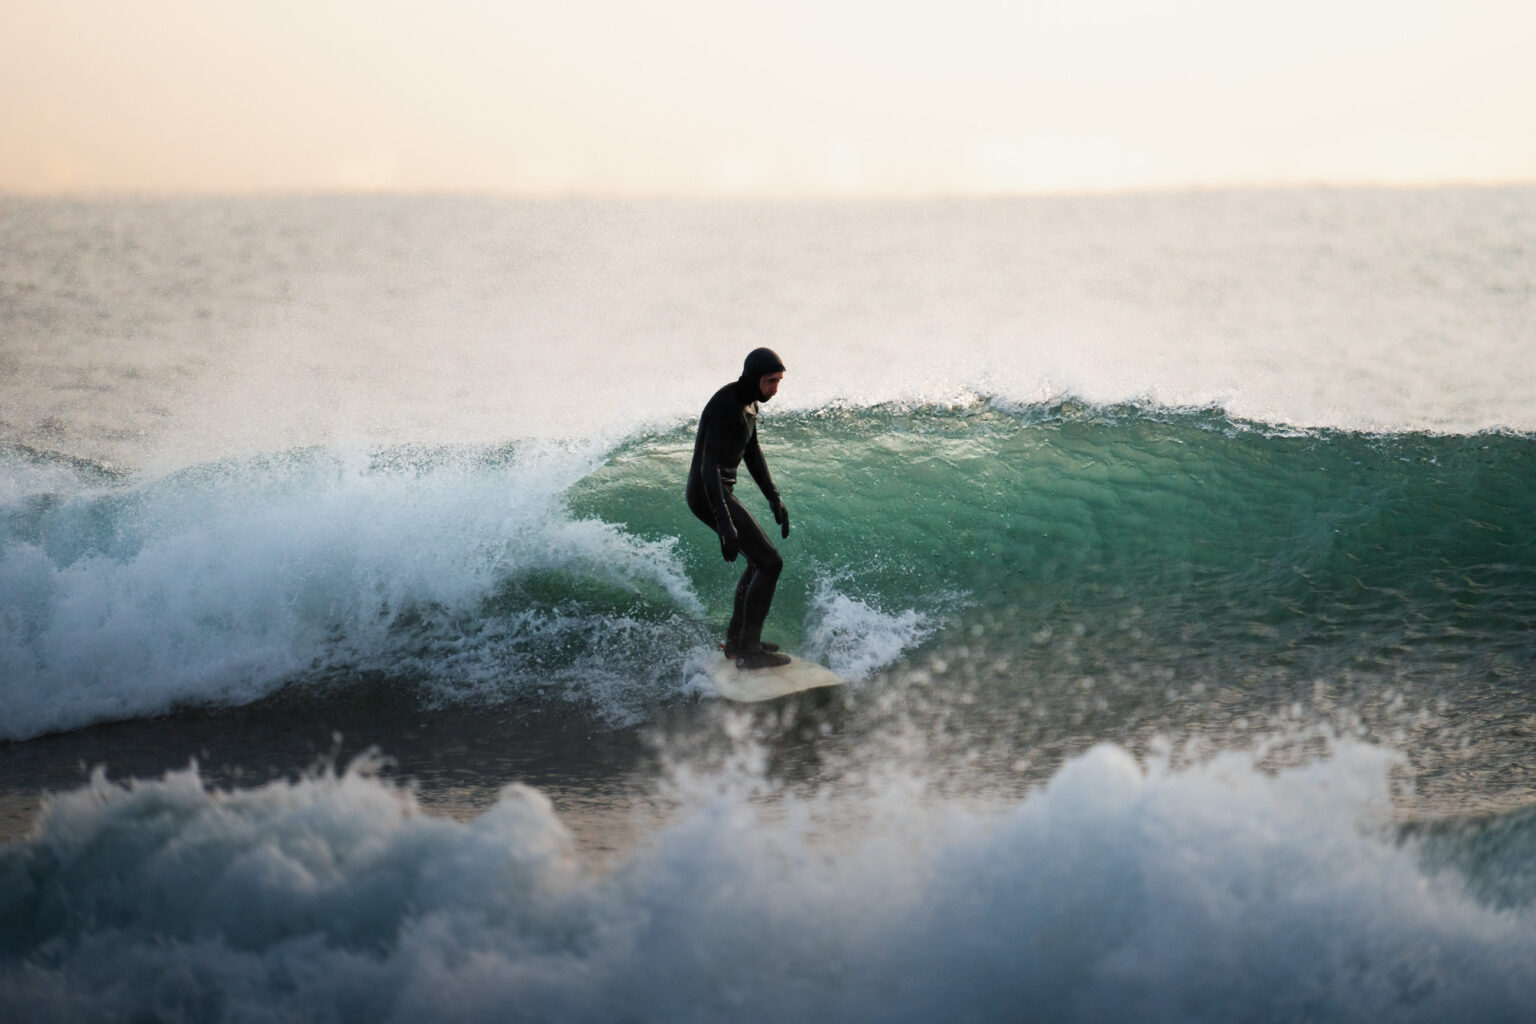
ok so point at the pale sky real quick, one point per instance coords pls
(774, 97)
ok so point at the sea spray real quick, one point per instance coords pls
(1216, 891)
(856, 639)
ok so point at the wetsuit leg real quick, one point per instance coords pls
(754, 591)
(739, 608)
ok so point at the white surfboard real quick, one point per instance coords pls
(749, 685)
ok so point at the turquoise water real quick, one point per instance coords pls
(1235, 536)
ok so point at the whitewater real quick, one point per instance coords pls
(1179, 549)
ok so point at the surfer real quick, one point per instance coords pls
(727, 437)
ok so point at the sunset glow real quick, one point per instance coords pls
(690, 97)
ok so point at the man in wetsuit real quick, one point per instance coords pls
(727, 437)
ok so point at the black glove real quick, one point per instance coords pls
(730, 544)
(780, 513)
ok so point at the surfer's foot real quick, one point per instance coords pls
(732, 648)
(760, 656)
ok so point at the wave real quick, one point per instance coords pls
(1148, 534)
(1002, 544)
(1211, 892)
(221, 582)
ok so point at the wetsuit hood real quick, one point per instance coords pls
(759, 363)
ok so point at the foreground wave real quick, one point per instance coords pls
(1210, 893)
(986, 543)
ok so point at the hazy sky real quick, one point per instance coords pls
(764, 97)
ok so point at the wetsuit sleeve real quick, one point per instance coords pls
(758, 467)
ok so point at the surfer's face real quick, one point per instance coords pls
(768, 384)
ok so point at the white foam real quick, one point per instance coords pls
(221, 583)
(855, 638)
(1218, 892)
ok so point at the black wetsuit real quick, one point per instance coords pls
(728, 437)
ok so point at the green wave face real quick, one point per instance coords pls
(1068, 545)
(1046, 567)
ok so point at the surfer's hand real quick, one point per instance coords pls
(780, 515)
(730, 544)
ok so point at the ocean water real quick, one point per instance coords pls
(1180, 551)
